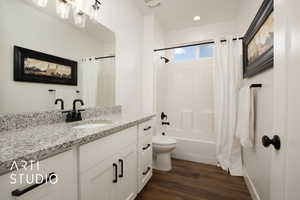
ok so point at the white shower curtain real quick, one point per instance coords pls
(90, 74)
(227, 80)
(106, 82)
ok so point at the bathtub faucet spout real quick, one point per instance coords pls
(166, 123)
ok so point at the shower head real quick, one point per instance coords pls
(165, 59)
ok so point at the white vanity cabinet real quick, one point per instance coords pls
(108, 167)
(63, 165)
(145, 153)
(115, 167)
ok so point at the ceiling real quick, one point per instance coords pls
(179, 14)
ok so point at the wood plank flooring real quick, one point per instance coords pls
(194, 181)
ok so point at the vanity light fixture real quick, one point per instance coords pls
(40, 3)
(79, 18)
(95, 10)
(63, 9)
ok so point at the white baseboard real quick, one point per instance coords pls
(195, 158)
(250, 185)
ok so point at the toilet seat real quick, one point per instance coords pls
(161, 140)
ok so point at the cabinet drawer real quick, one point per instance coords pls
(145, 175)
(147, 156)
(147, 139)
(146, 129)
(93, 153)
(65, 188)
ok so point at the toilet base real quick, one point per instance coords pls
(162, 162)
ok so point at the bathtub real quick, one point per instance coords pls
(195, 150)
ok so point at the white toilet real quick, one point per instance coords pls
(162, 148)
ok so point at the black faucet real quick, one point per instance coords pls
(74, 115)
(62, 107)
(74, 104)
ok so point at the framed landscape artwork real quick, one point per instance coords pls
(34, 66)
(258, 53)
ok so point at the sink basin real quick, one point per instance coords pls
(97, 124)
(92, 126)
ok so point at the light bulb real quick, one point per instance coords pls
(79, 18)
(41, 3)
(94, 10)
(63, 9)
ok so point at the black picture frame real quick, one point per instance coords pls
(266, 60)
(20, 54)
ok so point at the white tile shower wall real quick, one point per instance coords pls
(257, 160)
(188, 99)
(55, 38)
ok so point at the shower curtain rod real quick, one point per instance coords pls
(191, 45)
(104, 57)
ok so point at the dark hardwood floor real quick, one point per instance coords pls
(194, 181)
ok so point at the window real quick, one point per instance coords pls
(193, 53)
(206, 51)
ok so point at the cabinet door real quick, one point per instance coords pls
(65, 187)
(127, 185)
(97, 183)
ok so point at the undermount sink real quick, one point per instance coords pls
(99, 124)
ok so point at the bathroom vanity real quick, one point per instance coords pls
(107, 157)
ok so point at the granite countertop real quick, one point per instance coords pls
(41, 142)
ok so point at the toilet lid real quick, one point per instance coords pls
(162, 140)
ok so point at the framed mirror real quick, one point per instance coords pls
(49, 45)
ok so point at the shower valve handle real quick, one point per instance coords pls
(163, 116)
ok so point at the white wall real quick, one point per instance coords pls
(126, 21)
(206, 32)
(257, 160)
(148, 64)
(154, 36)
(25, 26)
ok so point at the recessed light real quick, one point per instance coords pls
(197, 18)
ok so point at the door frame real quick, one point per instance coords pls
(280, 98)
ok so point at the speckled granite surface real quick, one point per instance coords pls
(43, 141)
(25, 120)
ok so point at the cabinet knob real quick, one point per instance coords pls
(275, 141)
